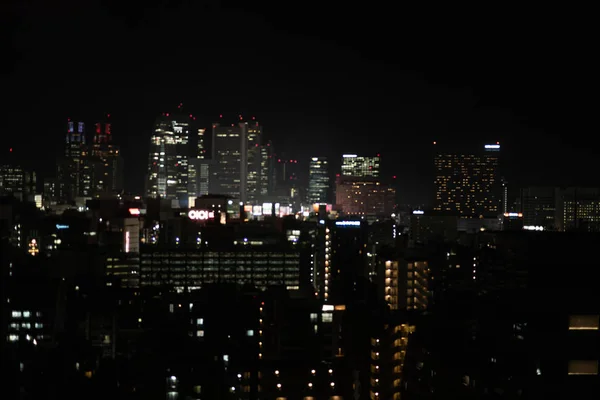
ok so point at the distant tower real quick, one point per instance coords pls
(168, 159)
(359, 166)
(318, 181)
(106, 162)
(467, 182)
(73, 174)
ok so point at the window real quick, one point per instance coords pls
(17, 314)
(13, 338)
(583, 367)
(584, 322)
(200, 333)
(250, 332)
(327, 317)
(26, 314)
(313, 317)
(200, 321)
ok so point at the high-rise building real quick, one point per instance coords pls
(16, 181)
(467, 183)
(364, 196)
(105, 161)
(578, 209)
(359, 166)
(538, 205)
(229, 172)
(73, 174)
(240, 162)
(168, 161)
(318, 181)
(255, 164)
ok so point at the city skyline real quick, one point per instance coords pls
(447, 89)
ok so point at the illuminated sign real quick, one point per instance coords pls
(513, 215)
(127, 241)
(349, 156)
(59, 226)
(492, 146)
(201, 215)
(327, 307)
(134, 211)
(418, 212)
(347, 223)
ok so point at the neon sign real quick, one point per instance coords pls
(201, 215)
(59, 226)
(418, 212)
(492, 146)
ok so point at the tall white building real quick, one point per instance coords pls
(318, 180)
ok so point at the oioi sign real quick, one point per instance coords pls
(201, 215)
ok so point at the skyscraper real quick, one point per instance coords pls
(168, 160)
(318, 180)
(467, 183)
(106, 162)
(229, 172)
(239, 167)
(359, 166)
(73, 174)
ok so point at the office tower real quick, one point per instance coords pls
(364, 196)
(168, 161)
(504, 195)
(578, 209)
(106, 162)
(198, 174)
(73, 174)
(359, 166)
(538, 205)
(466, 183)
(229, 173)
(15, 181)
(254, 183)
(318, 180)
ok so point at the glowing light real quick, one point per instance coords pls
(349, 156)
(127, 241)
(347, 223)
(492, 146)
(418, 212)
(201, 215)
(134, 211)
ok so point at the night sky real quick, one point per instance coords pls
(322, 80)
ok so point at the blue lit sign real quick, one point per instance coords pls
(347, 223)
(58, 226)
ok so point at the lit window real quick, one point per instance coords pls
(250, 333)
(584, 322)
(327, 317)
(583, 367)
(200, 333)
(17, 314)
(13, 338)
(200, 321)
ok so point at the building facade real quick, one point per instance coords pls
(467, 183)
(318, 181)
(359, 166)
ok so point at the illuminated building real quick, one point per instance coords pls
(405, 284)
(388, 353)
(466, 183)
(341, 260)
(359, 166)
(73, 173)
(16, 181)
(181, 269)
(168, 161)
(199, 168)
(318, 181)
(538, 205)
(229, 172)
(578, 209)
(360, 196)
(239, 167)
(106, 163)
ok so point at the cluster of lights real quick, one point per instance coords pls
(260, 330)
(533, 228)
(327, 261)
